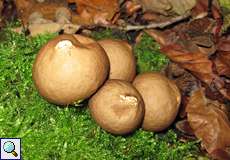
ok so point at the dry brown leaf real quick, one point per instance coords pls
(224, 44)
(1, 6)
(155, 17)
(167, 7)
(202, 10)
(199, 65)
(155, 6)
(185, 81)
(190, 45)
(131, 7)
(222, 63)
(196, 62)
(197, 32)
(222, 60)
(184, 127)
(209, 123)
(26, 7)
(182, 6)
(95, 11)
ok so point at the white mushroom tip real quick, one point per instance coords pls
(64, 44)
(129, 99)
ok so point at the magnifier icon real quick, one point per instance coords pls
(9, 147)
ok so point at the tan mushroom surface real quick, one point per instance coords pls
(69, 69)
(117, 107)
(162, 100)
(122, 59)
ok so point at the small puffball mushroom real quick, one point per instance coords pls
(162, 99)
(69, 69)
(122, 59)
(117, 107)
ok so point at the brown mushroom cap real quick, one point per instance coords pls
(70, 68)
(122, 59)
(117, 107)
(162, 99)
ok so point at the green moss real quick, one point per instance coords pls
(224, 3)
(225, 7)
(52, 132)
(147, 52)
(149, 57)
(109, 33)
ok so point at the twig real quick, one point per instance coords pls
(149, 26)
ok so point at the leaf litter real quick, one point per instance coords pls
(193, 34)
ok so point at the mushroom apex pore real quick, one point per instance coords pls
(64, 44)
(132, 100)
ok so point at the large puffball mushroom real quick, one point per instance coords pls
(117, 107)
(162, 99)
(122, 59)
(69, 69)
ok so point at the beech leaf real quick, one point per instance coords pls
(209, 123)
(167, 7)
(95, 11)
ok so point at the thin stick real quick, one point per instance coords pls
(149, 26)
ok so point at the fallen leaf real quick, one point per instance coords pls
(26, 7)
(224, 43)
(201, 9)
(182, 6)
(190, 45)
(1, 7)
(199, 65)
(155, 17)
(196, 62)
(132, 7)
(197, 31)
(184, 127)
(209, 123)
(95, 11)
(222, 64)
(155, 6)
(185, 81)
(222, 60)
(174, 71)
(167, 7)
(204, 8)
(1, 19)
(7, 11)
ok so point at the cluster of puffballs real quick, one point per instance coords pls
(71, 68)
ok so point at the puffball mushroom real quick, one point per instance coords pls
(122, 59)
(162, 99)
(69, 69)
(117, 107)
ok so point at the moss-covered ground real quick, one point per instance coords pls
(53, 132)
